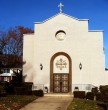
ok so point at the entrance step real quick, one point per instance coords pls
(59, 94)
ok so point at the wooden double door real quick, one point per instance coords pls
(61, 83)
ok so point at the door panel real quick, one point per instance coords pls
(61, 83)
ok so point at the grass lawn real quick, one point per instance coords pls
(15, 102)
(83, 104)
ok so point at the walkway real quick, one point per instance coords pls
(49, 103)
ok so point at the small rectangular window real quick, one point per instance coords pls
(6, 70)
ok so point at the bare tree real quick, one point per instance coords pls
(11, 46)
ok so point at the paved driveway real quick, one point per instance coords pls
(49, 103)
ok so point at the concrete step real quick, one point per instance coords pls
(59, 94)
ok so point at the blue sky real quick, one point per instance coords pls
(26, 12)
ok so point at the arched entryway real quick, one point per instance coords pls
(60, 73)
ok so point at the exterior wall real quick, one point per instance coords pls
(83, 46)
(28, 53)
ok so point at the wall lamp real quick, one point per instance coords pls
(41, 66)
(80, 66)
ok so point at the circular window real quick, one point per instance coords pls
(60, 35)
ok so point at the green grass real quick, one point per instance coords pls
(15, 102)
(83, 104)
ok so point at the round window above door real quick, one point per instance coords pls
(60, 35)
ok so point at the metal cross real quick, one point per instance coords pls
(61, 5)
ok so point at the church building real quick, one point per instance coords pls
(63, 54)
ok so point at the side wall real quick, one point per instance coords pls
(28, 58)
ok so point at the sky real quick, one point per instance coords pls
(26, 12)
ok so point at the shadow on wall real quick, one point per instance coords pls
(27, 72)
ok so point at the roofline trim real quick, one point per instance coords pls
(29, 34)
(63, 14)
(96, 30)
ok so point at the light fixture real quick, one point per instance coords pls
(41, 66)
(80, 66)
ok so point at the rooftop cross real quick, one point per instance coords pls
(61, 5)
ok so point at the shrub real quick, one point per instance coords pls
(99, 96)
(28, 93)
(90, 95)
(79, 94)
(103, 95)
(7, 87)
(3, 88)
(38, 93)
(27, 85)
(104, 89)
(2, 91)
(95, 90)
(19, 90)
(16, 84)
(10, 90)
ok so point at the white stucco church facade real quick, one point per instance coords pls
(63, 53)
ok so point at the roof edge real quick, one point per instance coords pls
(59, 14)
(29, 34)
(96, 30)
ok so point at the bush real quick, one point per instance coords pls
(104, 89)
(95, 90)
(16, 84)
(19, 90)
(8, 88)
(28, 88)
(2, 91)
(79, 94)
(90, 95)
(28, 92)
(3, 88)
(99, 96)
(38, 93)
(27, 85)
(24, 88)
(103, 95)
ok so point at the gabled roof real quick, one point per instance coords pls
(61, 14)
